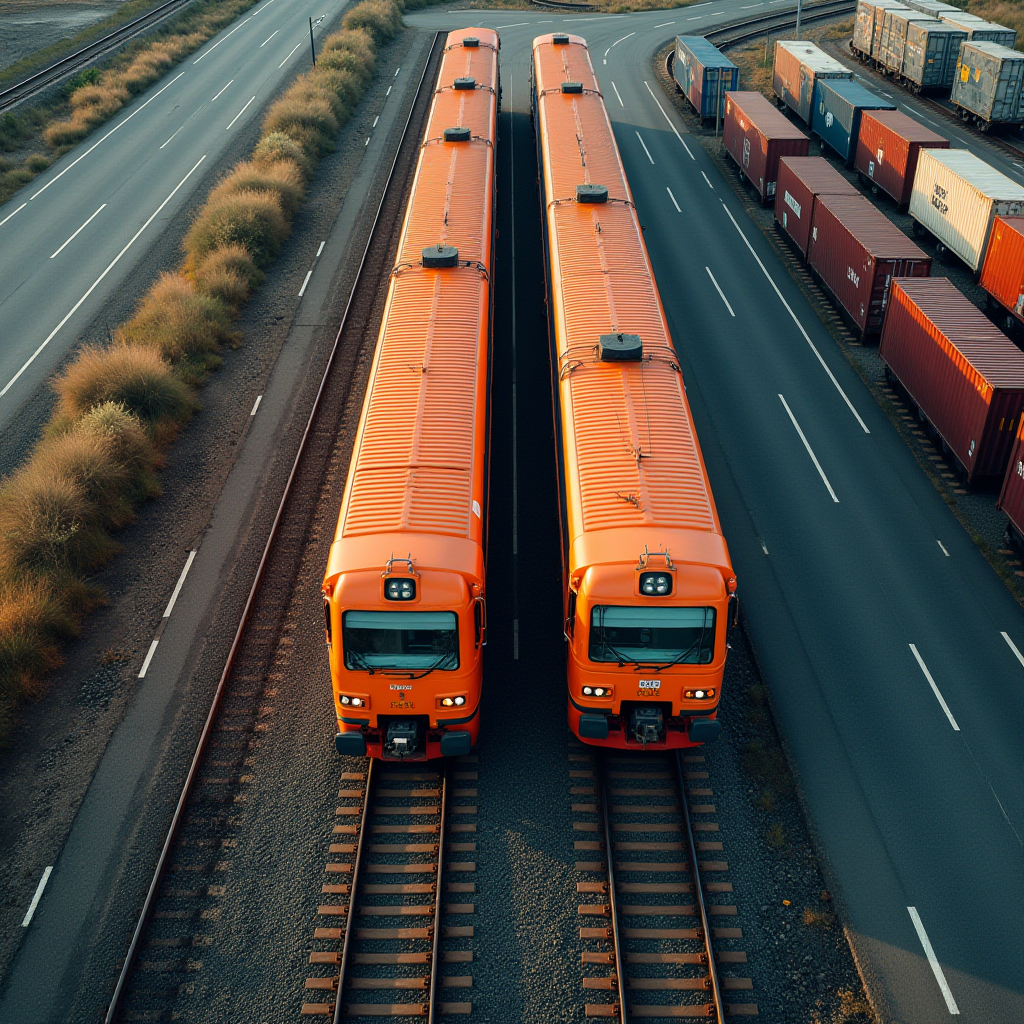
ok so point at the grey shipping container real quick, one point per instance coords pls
(876, 38)
(868, 13)
(894, 37)
(979, 30)
(798, 65)
(933, 7)
(838, 106)
(988, 83)
(929, 60)
(704, 74)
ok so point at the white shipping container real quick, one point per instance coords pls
(979, 30)
(956, 196)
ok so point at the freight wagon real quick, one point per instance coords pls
(988, 85)
(838, 106)
(801, 180)
(705, 75)
(756, 136)
(933, 7)
(856, 251)
(980, 31)
(930, 56)
(798, 66)
(868, 25)
(890, 53)
(1011, 496)
(957, 196)
(964, 375)
(888, 146)
(1002, 273)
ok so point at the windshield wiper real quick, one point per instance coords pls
(697, 644)
(359, 660)
(437, 663)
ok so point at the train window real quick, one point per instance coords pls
(419, 641)
(667, 636)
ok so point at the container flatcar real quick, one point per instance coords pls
(930, 56)
(965, 376)
(891, 52)
(888, 147)
(705, 75)
(798, 66)
(648, 584)
(1002, 273)
(988, 86)
(801, 180)
(868, 25)
(404, 587)
(839, 104)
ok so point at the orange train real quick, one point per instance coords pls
(404, 589)
(649, 587)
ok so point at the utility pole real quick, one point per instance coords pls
(799, 12)
(313, 48)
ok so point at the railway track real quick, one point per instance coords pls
(756, 28)
(391, 953)
(650, 947)
(179, 914)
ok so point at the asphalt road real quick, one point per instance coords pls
(879, 626)
(71, 238)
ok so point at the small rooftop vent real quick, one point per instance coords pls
(456, 135)
(560, 39)
(470, 41)
(465, 83)
(438, 257)
(591, 193)
(572, 87)
(621, 348)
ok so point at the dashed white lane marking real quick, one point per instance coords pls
(302, 290)
(708, 180)
(320, 250)
(665, 24)
(76, 234)
(617, 96)
(933, 961)
(218, 94)
(240, 113)
(256, 405)
(810, 451)
(149, 657)
(515, 24)
(388, 93)
(935, 689)
(789, 310)
(646, 150)
(375, 120)
(171, 139)
(1013, 647)
(722, 294)
(396, 73)
(27, 920)
(943, 546)
(622, 40)
(673, 198)
(28, 362)
(10, 215)
(289, 57)
(764, 547)
(670, 124)
(216, 44)
(271, 36)
(167, 614)
(309, 274)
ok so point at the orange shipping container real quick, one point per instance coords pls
(1002, 273)
(757, 135)
(888, 146)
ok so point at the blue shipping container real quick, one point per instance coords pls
(835, 114)
(704, 74)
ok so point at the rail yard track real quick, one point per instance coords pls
(180, 910)
(756, 28)
(651, 952)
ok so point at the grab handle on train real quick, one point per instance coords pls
(734, 619)
(480, 621)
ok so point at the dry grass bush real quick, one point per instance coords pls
(381, 18)
(253, 220)
(312, 125)
(282, 176)
(277, 146)
(129, 445)
(33, 623)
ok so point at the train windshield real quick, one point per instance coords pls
(400, 640)
(666, 636)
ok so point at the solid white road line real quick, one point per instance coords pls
(149, 658)
(239, 114)
(515, 24)
(622, 40)
(1013, 647)
(673, 198)
(7, 387)
(256, 405)
(943, 546)
(179, 585)
(935, 689)
(933, 961)
(617, 96)
(722, 294)
(176, 130)
(216, 44)
(221, 90)
(670, 124)
(302, 290)
(708, 180)
(75, 235)
(665, 24)
(814, 458)
(271, 36)
(57, 177)
(27, 920)
(10, 215)
(289, 57)
(646, 150)
(789, 310)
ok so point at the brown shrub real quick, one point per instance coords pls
(129, 375)
(313, 125)
(65, 133)
(356, 41)
(253, 220)
(381, 18)
(233, 260)
(277, 146)
(33, 621)
(282, 177)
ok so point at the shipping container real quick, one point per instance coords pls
(930, 56)
(1002, 273)
(856, 251)
(704, 74)
(961, 371)
(836, 116)
(894, 37)
(756, 134)
(801, 179)
(870, 15)
(933, 7)
(1011, 497)
(956, 196)
(798, 65)
(980, 31)
(988, 84)
(888, 146)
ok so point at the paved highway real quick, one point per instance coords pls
(891, 648)
(71, 238)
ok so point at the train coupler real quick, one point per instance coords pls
(648, 725)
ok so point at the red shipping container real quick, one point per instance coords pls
(964, 374)
(1002, 273)
(801, 178)
(756, 135)
(1011, 497)
(856, 252)
(887, 149)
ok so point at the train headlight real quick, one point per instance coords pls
(447, 702)
(597, 691)
(655, 584)
(357, 702)
(346, 700)
(699, 694)
(400, 590)
(459, 701)
(455, 700)
(588, 691)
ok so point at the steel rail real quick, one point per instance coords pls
(432, 1007)
(186, 791)
(613, 898)
(560, 5)
(704, 925)
(755, 27)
